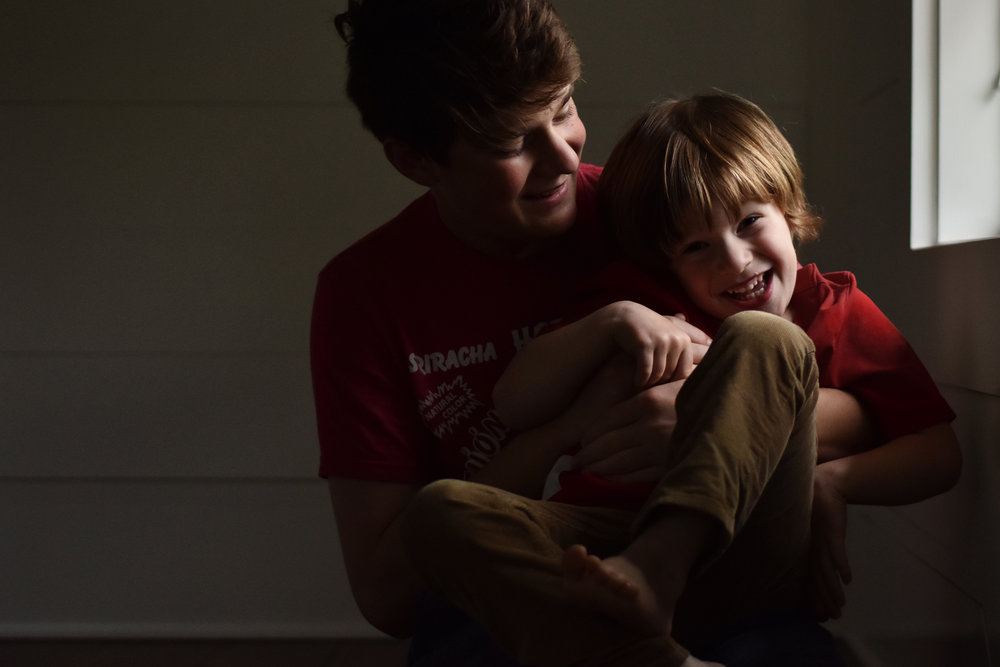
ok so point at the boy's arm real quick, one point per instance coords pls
(908, 469)
(384, 585)
(904, 470)
(524, 463)
(843, 426)
(547, 374)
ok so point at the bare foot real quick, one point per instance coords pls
(617, 586)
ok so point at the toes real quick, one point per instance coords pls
(576, 561)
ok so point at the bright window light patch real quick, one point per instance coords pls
(955, 178)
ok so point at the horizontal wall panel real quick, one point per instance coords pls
(688, 46)
(163, 50)
(929, 569)
(157, 416)
(178, 228)
(182, 559)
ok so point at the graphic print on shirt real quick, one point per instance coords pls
(524, 335)
(487, 440)
(452, 411)
(458, 410)
(434, 362)
(448, 405)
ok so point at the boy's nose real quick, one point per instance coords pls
(561, 151)
(737, 255)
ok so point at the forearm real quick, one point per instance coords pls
(546, 375)
(384, 585)
(524, 463)
(388, 598)
(843, 427)
(905, 470)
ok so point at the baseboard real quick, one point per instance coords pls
(181, 631)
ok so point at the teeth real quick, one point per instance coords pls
(547, 193)
(751, 290)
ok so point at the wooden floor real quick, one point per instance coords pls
(342, 653)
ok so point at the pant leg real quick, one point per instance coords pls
(498, 557)
(744, 452)
(744, 418)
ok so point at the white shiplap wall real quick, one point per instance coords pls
(172, 177)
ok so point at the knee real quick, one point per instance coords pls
(444, 508)
(432, 505)
(449, 516)
(763, 331)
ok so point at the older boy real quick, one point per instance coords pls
(413, 324)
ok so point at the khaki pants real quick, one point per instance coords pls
(743, 453)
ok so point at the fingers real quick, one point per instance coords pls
(825, 593)
(696, 334)
(698, 353)
(840, 561)
(664, 348)
(830, 569)
(636, 464)
(658, 359)
(668, 362)
(647, 367)
(629, 441)
(610, 455)
(624, 455)
(832, 590)
(616, 449)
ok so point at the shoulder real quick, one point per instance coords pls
(819, 294)
(840, 283)
(838, 315)
(414, 223)
(588, 175)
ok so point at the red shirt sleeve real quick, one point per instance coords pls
(860, 351)
(367, 424)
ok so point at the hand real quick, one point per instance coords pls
(629, 441)
(829, 569)
(664, 348)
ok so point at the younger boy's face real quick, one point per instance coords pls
(737, 264)
(506, 201)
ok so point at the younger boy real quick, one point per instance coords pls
(706, 193)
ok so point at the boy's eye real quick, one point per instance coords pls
(748, 222)
(567, 112)
(509, 150)
(693, 247)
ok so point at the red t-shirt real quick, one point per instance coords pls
(410, 331)
(857, 349)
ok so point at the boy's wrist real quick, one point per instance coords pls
(830, 475)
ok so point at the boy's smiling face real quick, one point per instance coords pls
(736, 264)
(507, 200)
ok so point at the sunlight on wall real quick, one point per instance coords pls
(956, 122)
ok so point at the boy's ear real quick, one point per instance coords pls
(410, 162)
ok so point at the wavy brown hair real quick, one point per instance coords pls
(427, 71)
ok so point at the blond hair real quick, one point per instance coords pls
(681, 158)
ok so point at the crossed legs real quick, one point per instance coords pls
(721, 538)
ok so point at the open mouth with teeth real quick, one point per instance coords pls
(545, 194)
(753, 289)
